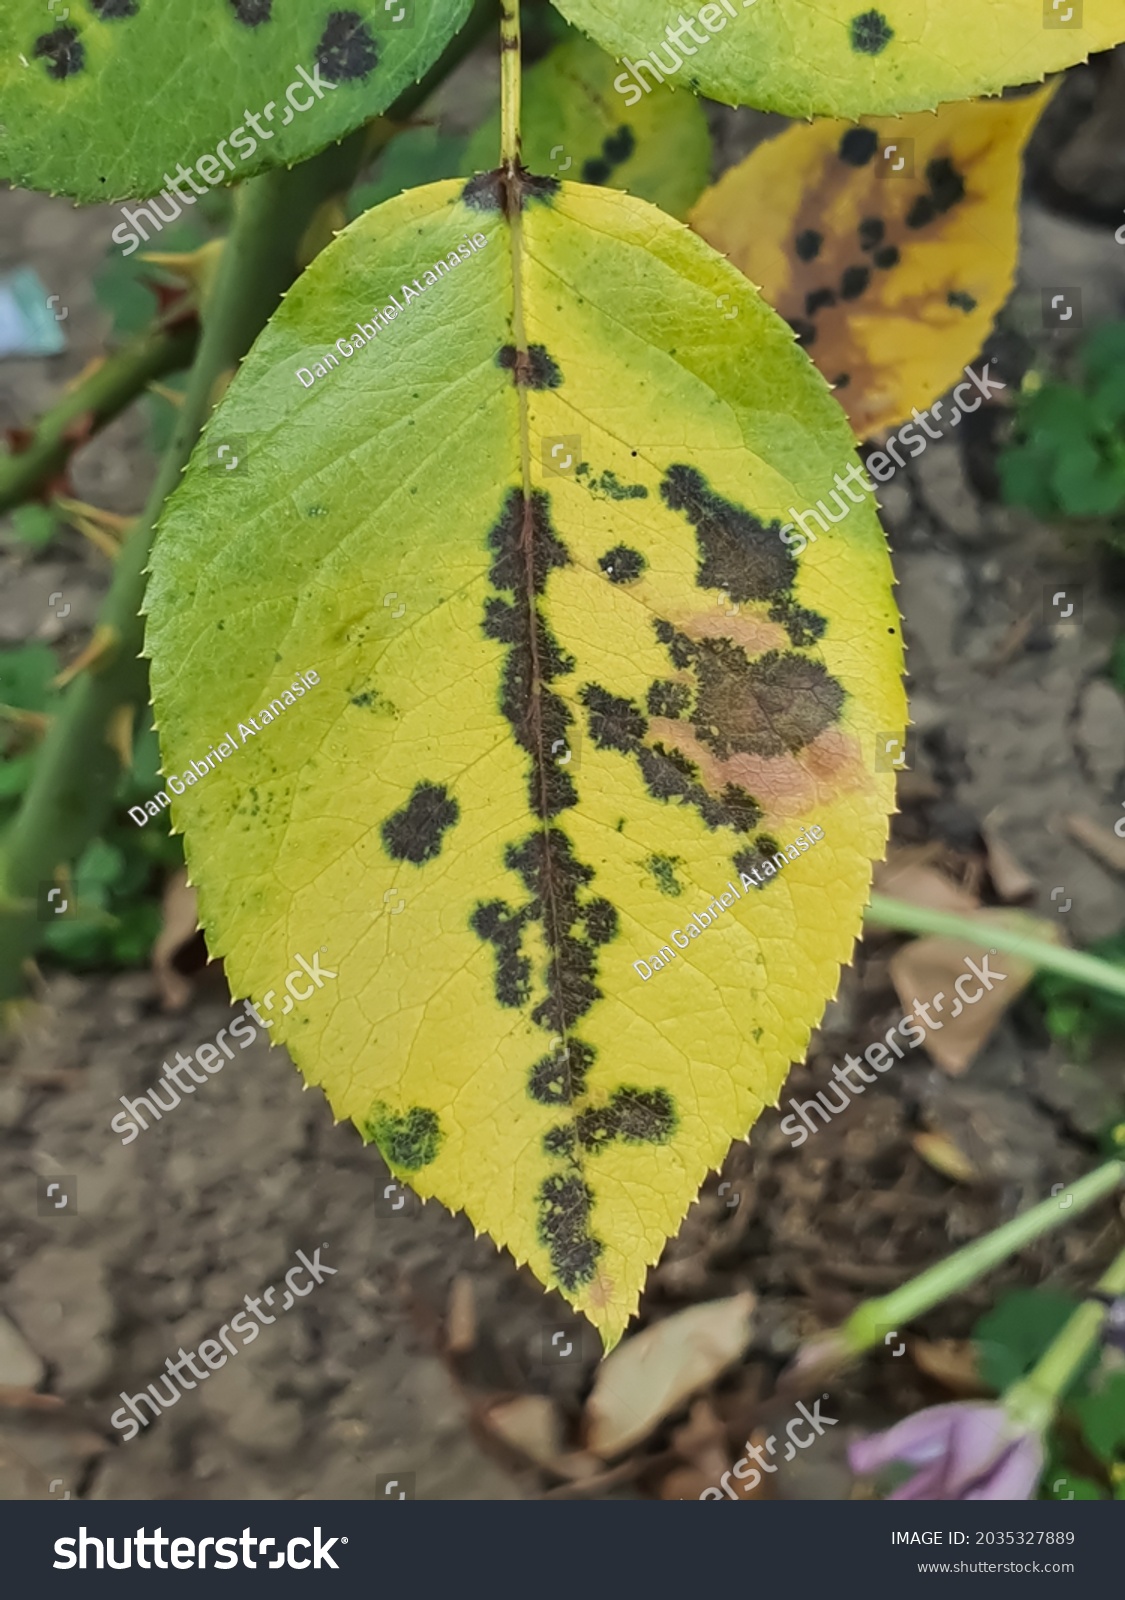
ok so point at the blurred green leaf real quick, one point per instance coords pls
(1014, 1334)
(35, 525)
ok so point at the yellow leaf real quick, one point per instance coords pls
(564, 681)
(891, 278)
(842, 58)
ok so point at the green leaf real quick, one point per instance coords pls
(1102, 1415)
(575, 124)
(25, 677)
(1014, 1334)
(1086, 484)
(123, 284)
(537, 672)
(35, 525)
(107, 102)
(414, 157)
(841, 58)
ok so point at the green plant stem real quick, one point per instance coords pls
(101, 396)
(1034, 1399)
(870, 1322)
(1043, 955)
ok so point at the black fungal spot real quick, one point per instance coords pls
(560, 1079)
(737, 552)
(560, 1141)
(614, 723)
(888, 256)
(533, 368)
(553, 876)
(346, 50)
(666, 698)
(921, 213)
(63, 52)
(495, 191)
(407, 1142)
(816, 299)
(871, 232)
(108, 10)
(854, 282)
(871, 33)
(619, 146)
(808, 244)
(414, 833)
(778, 703)
(622, 565)
(596, 170)
(947, 186)
(636, 1116)
(503, 928)
(663, 870)
(525, 555)
(252, 12)
(752, 860)
(842, 381)
(961, 301)
(805, 331)
(858, 146)
(609, 485)
(565, 1204)
(804, 627)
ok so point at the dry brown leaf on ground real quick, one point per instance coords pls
(926, 973)
(531, 1425)
(1010, 878)
(179, 926)
(942, 1153)
(651, 1375)
(461, 1317)
(920, 885)
(954, 1363)
(1104, 844)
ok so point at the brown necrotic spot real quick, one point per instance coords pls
(63, 52)
(565, 1204)
(768, 707)
(807, 244)
(560, 1079)
(533, 368)
(736, 551)
(414, 832)
(252, 12)
(407, 1141)
(858, 146)
(496, 191)
(346, 50)
(871, 33)
(622, 565)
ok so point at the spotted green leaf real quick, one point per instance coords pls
(104, 99)
(575, 124)
(842, 58)
(509, 687)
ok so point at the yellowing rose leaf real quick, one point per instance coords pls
(889, 247)
(567, 693)
(842, 58)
